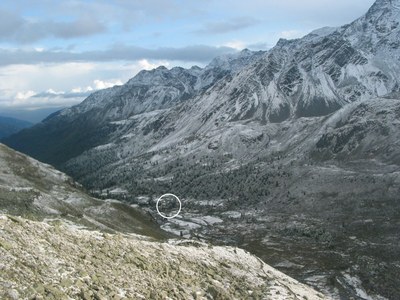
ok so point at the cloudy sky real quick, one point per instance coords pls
(53, 53)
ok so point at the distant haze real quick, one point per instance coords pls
(33, 116)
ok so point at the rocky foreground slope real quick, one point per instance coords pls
(33, 189)
(57, 261)
(86, 248)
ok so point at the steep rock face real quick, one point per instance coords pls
(321, 72)
(159, 88)
(148, 90)
(363, 130)
(378, 30)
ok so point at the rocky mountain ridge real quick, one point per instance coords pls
(308, 77)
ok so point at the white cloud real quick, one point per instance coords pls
(21, 96)
(100, 84)
(51, 91)
(42, 102)
(56, 85)
(236, 44)
(145, 64)
(118, 52)
(82, 90)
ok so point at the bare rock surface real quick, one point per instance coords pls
(58, 261)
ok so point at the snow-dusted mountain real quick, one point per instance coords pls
(283, 152)
(309, 77)
(317, 74)
(160, 88)
(149, 93)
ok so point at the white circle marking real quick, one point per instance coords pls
(175, 215)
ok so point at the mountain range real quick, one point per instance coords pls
(292, 153)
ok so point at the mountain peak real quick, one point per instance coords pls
(378, 29)
(386, 3)
(381, 7)
(161, 68)
(246, 51)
